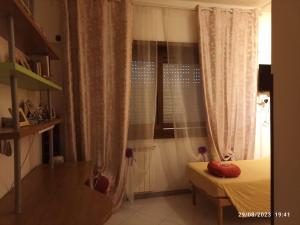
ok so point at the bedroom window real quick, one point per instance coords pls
(167, 67)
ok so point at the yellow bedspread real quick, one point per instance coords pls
(250, 192)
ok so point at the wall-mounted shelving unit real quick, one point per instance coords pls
(27, 79)
(21, 31)
(28, 35)
(10, 133)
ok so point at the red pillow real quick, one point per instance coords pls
(223, 170)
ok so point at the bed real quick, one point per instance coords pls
(248, 193)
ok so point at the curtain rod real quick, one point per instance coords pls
(188, 6)
(229, 10)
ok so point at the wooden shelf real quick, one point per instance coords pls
(29, 37)
(57, 197)
(26, 78)
(10, 133)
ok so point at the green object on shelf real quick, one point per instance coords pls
(26, 78)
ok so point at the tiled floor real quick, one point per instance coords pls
(176, 210)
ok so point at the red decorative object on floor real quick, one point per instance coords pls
(101, 184)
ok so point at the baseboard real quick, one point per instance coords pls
(143, 195)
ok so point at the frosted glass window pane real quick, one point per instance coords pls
(182, 93)
(143, 92)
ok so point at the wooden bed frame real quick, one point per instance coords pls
(220, 202)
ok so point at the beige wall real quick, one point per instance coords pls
(285, 60)
(264, 38)
(47, 13)
(30, 145)
(180, 25)
(160, 24)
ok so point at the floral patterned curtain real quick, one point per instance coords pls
(228, 50)
(97, 85)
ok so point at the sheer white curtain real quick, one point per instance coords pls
(98, 37)
(183, 106)
(183, 100)
(228, 42)
(143, 96)
(142, 113)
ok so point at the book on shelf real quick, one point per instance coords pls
(45, 64)
(40, 65)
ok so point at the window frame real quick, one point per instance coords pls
(160, 131)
